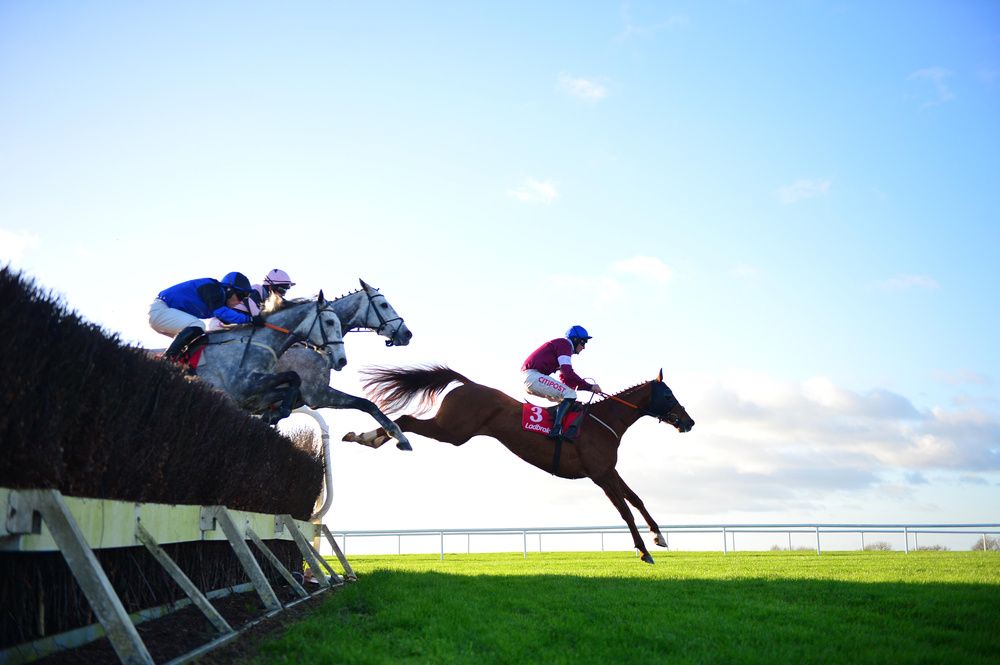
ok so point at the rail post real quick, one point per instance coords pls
(906, 540)
(818, 550)
(725, 541)
(524, 540)
(442, 545)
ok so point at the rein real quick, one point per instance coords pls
(285, 331)
(619, 400)
(645, 411)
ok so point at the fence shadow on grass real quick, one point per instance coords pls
(438, 617)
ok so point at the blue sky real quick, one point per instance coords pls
(791, 207)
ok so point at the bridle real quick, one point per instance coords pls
(383, 322)
(670, 418)
(322, 330)
(296, 338)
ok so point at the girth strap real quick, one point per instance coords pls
(555, 456)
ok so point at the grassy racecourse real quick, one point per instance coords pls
(766, 607)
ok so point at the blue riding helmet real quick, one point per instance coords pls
(577, 333)
(237, 282)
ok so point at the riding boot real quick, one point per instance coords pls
(182, 341)
(561, 412)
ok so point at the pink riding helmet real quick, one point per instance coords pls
(278, 277)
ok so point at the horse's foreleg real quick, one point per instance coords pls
(634, 499)
(335, 399)
(612, 486)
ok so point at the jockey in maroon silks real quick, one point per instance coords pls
(557, 354)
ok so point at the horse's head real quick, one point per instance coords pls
(664, 406)
(382, 318)
(321, 328)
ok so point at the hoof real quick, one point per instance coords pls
(660, 540)
(404, 445)
(351, 436)
(647, 558)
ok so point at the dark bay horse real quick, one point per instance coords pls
(472, 409)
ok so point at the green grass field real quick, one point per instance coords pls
(766, 607)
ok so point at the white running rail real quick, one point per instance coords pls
(727, 531)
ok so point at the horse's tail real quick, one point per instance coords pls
(393, 388)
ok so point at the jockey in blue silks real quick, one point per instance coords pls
(178, 311)
(276, 282)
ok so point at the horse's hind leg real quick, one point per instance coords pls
(634, 499)
(335, 399)
(612, 486)
(429, 428)
(270, 388)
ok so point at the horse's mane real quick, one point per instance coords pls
(285, 303)
(623, 392)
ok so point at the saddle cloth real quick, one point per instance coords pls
(539, 419)
(188, 359)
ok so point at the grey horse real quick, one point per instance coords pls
(366, 309)
(243, 361)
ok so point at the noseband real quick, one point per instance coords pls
(384, 322)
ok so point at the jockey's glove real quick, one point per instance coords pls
(258, 321)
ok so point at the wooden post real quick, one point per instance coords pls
(86, 569)
(183, 581)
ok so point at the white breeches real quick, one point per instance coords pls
(543, 385)
(168, 321)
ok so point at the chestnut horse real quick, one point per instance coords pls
(473, 409)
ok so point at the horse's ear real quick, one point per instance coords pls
(660, 377)
(364, 285)
(320, 298)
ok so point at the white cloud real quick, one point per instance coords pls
(590, 90)
(619, 282)
(13, 245)
(836, 428)
(745, 272)
(632, 30)
(961, 377)
(764, 444)
(938, 78)
(904, 282)
(646, 267)
(534, 191)
(804, 188)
